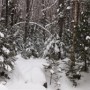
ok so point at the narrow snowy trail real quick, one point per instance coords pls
(21, 76)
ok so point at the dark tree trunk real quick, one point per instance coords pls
(13, 12)
(27, 19)
(61, 18)
(44, 19)
(12, 19)
(75, 14)
(86, 68)
(6, 19)
(85, 61)
(60, 21)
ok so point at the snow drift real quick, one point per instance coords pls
(2, 87)
(37, 76)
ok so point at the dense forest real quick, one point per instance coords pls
(56, 31)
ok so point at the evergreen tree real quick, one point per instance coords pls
(81, 47)
(83, 38)
(6, 56)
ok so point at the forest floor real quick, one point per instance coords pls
(21, 77)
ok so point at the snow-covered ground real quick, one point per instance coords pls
(2, 87)
(22, 78)
(83, 84)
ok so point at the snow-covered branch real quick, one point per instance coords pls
(34, 24)
(51, 24)
(49, 6)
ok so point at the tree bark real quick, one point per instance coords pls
(0, 7)
(75, 14)
(60, 21)
(12, 12)
(6, 19)
(27, 19)
(43, 19)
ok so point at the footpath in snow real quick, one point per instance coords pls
(27, 75)
(22, 78)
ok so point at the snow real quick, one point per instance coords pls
(61, 14)
(30, 75)
(56, 48)
(69, 7)
(51, 71)
(6, 50)
(37, 72)
(72, 21)
(58, 10)
(48, 46)
(82, 12)
(7, 67)
(1, 34)
(84, 20)
(1, 19)
(68, 29)
(1, 59)
(54, 22)
(87, 37)
(2, 87)
(50, 6)
(86, 48)
(83, 84)
(33, 24)
(37, 87)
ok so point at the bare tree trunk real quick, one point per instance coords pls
(6, 20)
(12, 12)
(61, 18)
(28, 11)
(0, 7)
(75, 14)
(60, 21)
(43, 19)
